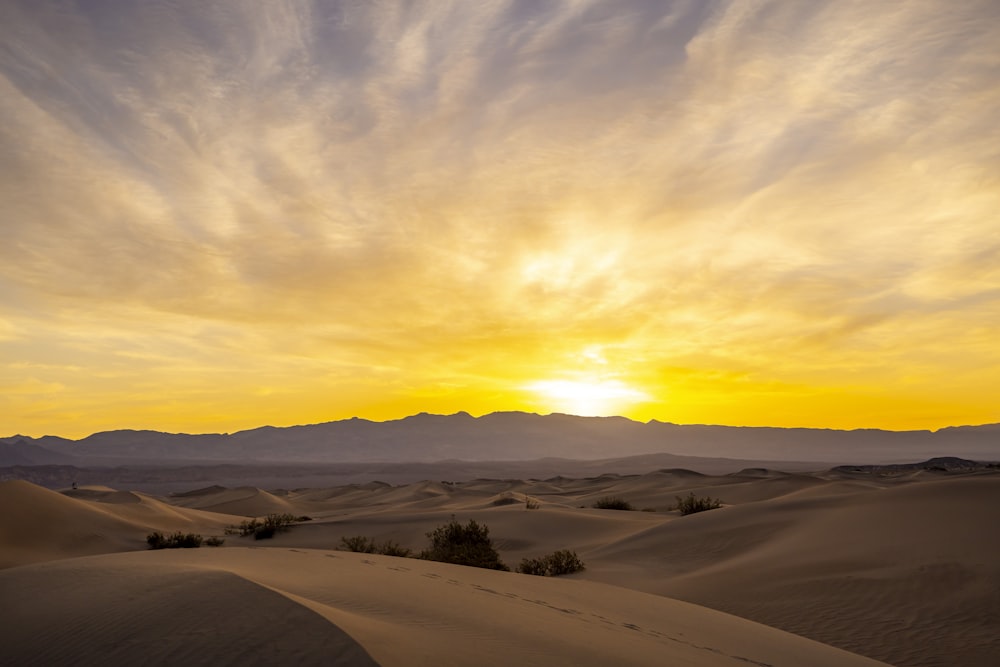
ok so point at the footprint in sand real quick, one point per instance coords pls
(484, 589)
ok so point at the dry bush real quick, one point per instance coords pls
(265, 528)
(463, 545)
(178, 540)
(555, 564)
(691, 504)
(613, 503)
(364, 545)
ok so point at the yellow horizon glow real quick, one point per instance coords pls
(220, 218)
(588, 398)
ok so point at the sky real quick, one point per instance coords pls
(218, 215)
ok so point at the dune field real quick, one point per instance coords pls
(829, 568)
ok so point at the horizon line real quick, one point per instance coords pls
(502, 412)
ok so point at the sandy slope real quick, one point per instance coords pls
(39, 524)
(244, 501)
(901, 568)
(907, 573)
(286, 606)
(101, 611)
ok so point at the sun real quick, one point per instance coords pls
(588, 398)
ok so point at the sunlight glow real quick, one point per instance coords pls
(588, 398)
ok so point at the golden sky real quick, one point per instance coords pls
(221, 215)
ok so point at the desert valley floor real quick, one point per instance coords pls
(829, 568)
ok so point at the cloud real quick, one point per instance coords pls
(774, 188)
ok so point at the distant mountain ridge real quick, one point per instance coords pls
(502, 436)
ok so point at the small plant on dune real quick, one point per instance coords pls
(535, 566)
(364, 545)
(390, 548)
(280, 521)
(358, 544)
(265, 528)
(530, 503)
(463, 545)
(214, 542)
(178, 540)
(553, 565)
(156, 540)
(613, 503)
(264, 532)
(245, 528)
(692, 504)
(563, 561)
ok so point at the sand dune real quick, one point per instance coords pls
(899, 567)
(48, 525)
(859, 571)
(239, 606)
(147, 611)
(244, 501)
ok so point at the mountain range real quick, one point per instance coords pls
(500, 436)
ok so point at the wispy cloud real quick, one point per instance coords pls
(382, 200)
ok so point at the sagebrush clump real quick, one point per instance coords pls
(362, 544)
(613, 503)
(463, 545)
(555, 564)
(692, 504)
(178, 540)
(455, 543)
(265, 528)
(470, 545)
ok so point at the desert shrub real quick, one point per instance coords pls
(178, 540)
(358, 544)
(692, 504)
(265, 528)
(531, 503)
(613, 503)
(186, 541)
(245, 528)
(264, 533)
(364, 545)
(390, 548)
(536, 566)
(555, 564)
(279, 521)
(214, 542)
(563, 562)
(463, 545)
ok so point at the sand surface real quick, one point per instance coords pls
(898, 568)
